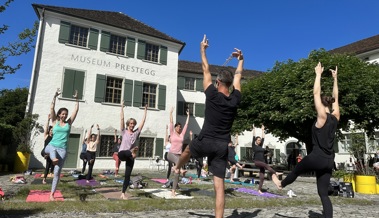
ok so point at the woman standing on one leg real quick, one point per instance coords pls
(259, 159)
(116, 147)
(321, 159)
(48, 135)
(167, 146)
(92, 142)
(128, 148)
(61, 132)
(177, 138)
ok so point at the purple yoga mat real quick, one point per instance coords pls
(84, 182)
(254, 192)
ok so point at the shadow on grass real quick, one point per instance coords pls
(235, 214)
(21, 212)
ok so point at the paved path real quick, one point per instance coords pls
(300, 187)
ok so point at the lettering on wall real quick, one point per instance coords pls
(108, 64)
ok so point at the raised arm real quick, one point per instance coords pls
(321, 113)
(204, 63)
(166, 136)
(122, 124)
(171, 116)
(98, 134)
(53, 116)
(335, 105)
(89, 134)
(238, 74)
(76, 109)
(263, 131)
(46, 133)
(115, 136)
(143, 119)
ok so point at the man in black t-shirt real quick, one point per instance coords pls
(220, 111)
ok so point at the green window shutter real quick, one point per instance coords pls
(68, 83)
(79, 83)
(162, 97)
(141, 49)
(128, 91)
(199, 85)
(105, 41)
(137, 98)
(181, 82)
(199, 110)
(100, 87)
(131, 47)
(180, 108)
(93, 38)
(163, 57)
(243, 153)
(64, 32)
(159, 147)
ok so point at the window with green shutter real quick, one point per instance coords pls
(128, 92)
(159, 147)
(105, 41)
(78, 35)
(100, 88)
(137, 95)
(199, 85)
(163, 55)
(199, 110)
(181, 82)
(93, 38)
(73, 80)
(130, 47)
(162, 97)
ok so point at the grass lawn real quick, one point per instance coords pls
(203, 198)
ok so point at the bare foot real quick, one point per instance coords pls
(276, 181)
(260, 192)
(87, 181)
(173, 193)
(124, 196)
(52, 197)
(43, 181)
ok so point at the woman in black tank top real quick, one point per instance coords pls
(321, 159)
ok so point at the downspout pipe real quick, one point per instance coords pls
(36, 62)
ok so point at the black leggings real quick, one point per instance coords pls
(126, 156)
(170, 164)
(199, 166)
(323, 167)
(83, 157)
(262, 167)
(90, 156)
(49, 166)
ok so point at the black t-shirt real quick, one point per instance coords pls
(258, 150)
(220, 111)
(323, 138)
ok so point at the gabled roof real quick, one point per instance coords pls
(359, 47)
(195, 67)
(115, 19)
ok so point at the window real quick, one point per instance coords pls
(117, 45)
(152, 52)
(113, 90)
(146, 147)
(189, 83)
(78, 35)
(106, 146)
(149, 97)
(73, 80)
(195, 109)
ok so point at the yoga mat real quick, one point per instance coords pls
(39, 181)
(162, 181)
(255, 192)
(43, 196)
(193, 175)
(109, 193)
(38, 175)
(83, 182)
(165, 193)
(232, 182)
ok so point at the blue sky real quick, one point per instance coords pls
(266, 31)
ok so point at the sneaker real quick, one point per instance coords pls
(291, 194)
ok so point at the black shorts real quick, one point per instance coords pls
(216, 151)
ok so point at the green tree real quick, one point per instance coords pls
(13, 105)
(282, 99)
(22, 46)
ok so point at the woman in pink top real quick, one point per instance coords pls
(176, 138)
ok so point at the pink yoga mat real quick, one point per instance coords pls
(43, 196)
(162, 181)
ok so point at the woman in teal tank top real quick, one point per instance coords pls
(61, 132)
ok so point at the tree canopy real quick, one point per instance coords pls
(21, 46)
(282, 99)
